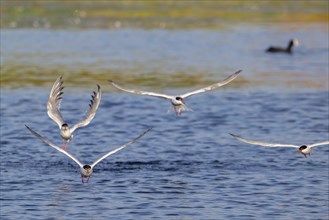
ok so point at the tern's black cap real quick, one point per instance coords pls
(302, 147)
(86, 167)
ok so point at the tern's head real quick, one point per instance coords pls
(301, 148)
(179, 100)
(65, 126)
(305, 150)
(87, 169)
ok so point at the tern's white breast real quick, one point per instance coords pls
(66, 134)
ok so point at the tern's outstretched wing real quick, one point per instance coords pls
(54, 146)
(93, 106)
(265, 144)
(139, 92)
(117, 149)
(213, 86)
(319, 143)
(54, 102)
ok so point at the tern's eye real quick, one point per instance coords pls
(178, 98)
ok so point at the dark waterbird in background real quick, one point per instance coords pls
(304, 149)
(53, 105)
(178, 101)
(85, 169)
(288, 49)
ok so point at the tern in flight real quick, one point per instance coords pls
(304, 149)
(85, 169)
(178, 101)
(53, 105)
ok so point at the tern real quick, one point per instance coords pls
(53, 105)
(303, 149)
(178, 102)
(85, 169)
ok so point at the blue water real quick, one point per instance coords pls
(187, 167)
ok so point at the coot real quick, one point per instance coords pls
(288, 49)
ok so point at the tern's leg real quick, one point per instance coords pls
(65, 144)
(179, 111)
(175, 110)
(82, 180)
(88, 179)
(64, 147)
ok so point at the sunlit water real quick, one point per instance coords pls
(187, 167)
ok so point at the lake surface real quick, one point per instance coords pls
(165, 59)
(187, 167)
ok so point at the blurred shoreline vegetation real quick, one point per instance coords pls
(21, 77)
(60, 14)
(171, 15)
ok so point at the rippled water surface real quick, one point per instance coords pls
(186, 167)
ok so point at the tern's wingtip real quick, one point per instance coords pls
(149, 129)
(29, 129)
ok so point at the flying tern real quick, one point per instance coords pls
(178, 102)
(53, 105)
(85, 169)
(303, 149)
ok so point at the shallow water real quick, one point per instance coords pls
(164, 59)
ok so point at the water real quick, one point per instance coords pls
(187, 167)
(163, 58)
